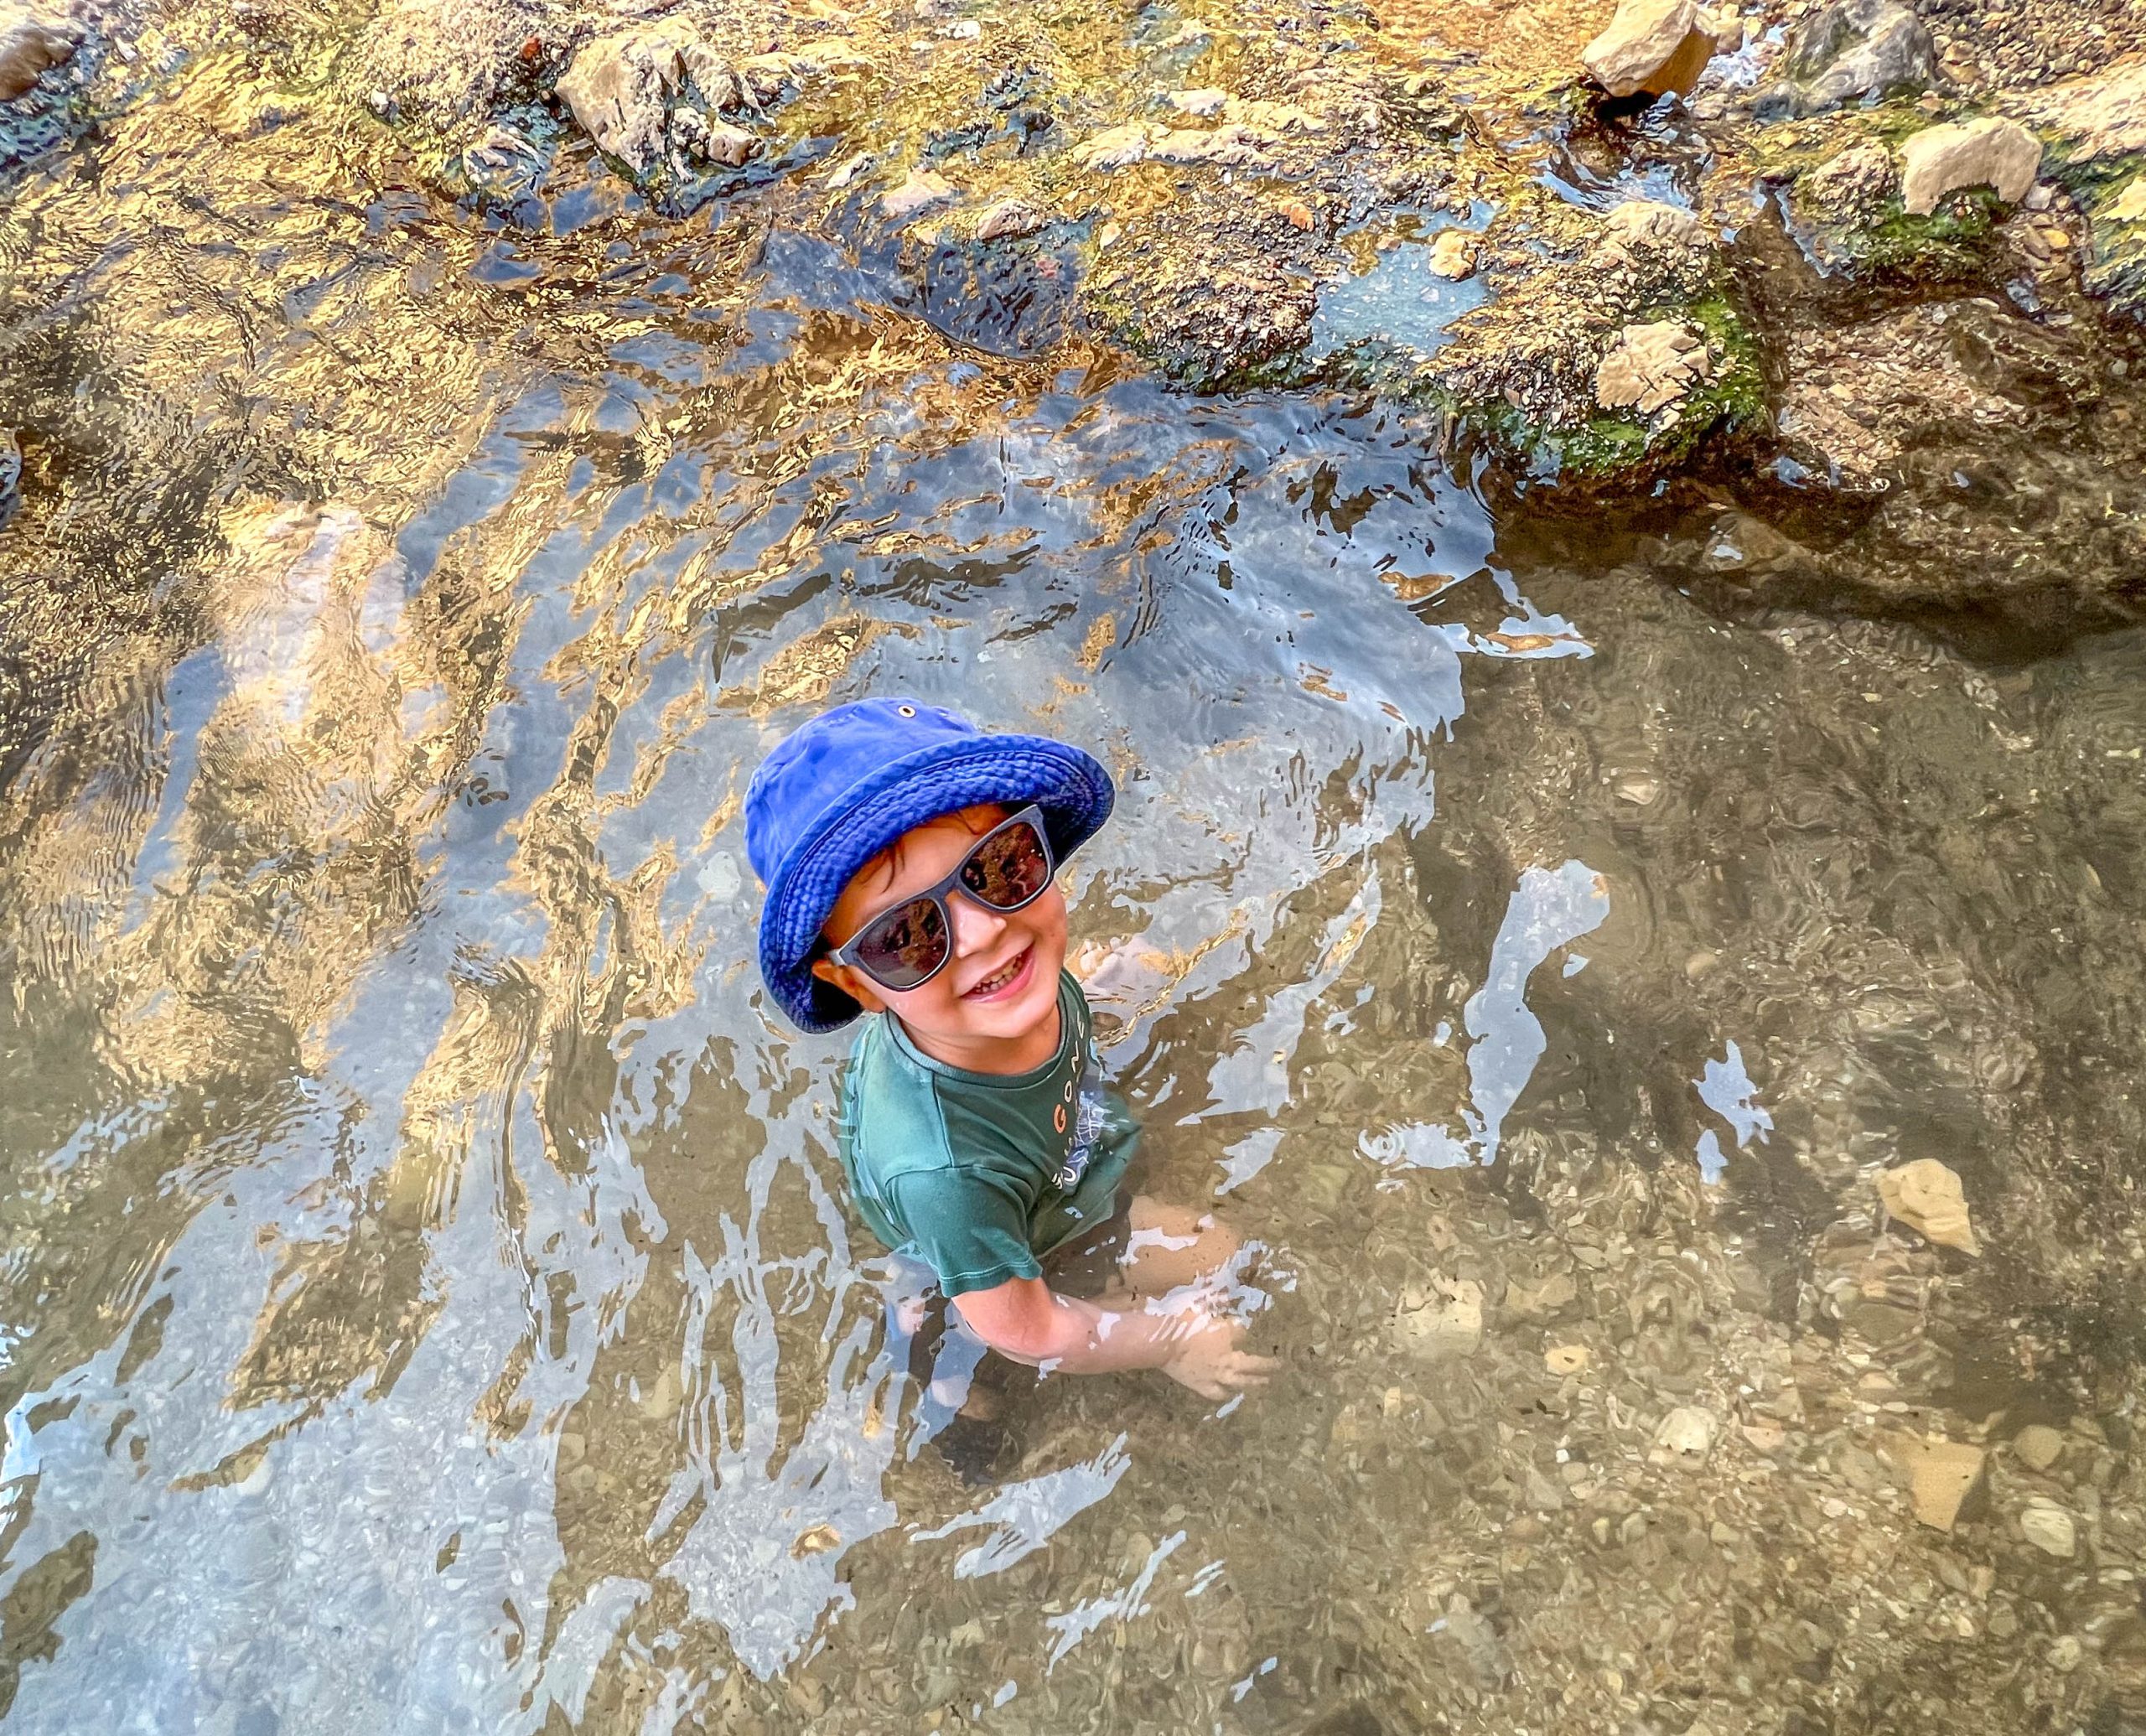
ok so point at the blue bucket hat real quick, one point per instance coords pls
(838, 791)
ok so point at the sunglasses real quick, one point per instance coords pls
(904, 947)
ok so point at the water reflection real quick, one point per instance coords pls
(429, 1300)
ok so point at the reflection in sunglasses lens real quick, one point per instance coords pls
(905, 945)
(1007, 870)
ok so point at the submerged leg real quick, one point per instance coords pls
(1170, 1247)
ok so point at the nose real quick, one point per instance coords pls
(976, 929)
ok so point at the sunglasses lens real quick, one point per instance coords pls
(905, 945)
(1007, 869)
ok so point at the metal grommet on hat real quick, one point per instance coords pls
(906, 711)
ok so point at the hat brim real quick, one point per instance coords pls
(1070, 786)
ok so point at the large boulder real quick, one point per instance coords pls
(1849, 188)
(619, 87)
(30, 46)
(2095, 119)
(1944, 159)
(1649, 367)
(1851, 51)
(1646, 246)
(1650, 47)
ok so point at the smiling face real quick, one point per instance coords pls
(993, 1007)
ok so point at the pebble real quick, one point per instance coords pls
(1685, 1438)
(2049, 1527)
(1925, 1196)
(1565, 1358)
(2037, 1446)
(1941, 1475)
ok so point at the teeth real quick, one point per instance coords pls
(999, 978)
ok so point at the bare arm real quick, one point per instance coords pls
(1025, 1319)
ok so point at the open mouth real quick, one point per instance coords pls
(1001, 979)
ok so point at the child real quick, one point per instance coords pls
(909, 859)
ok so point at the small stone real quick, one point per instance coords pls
(1685, 1438)
(1114, 147)
(719, 141)
(1200, 103)
(1539, 1299)
(849, 169)
(1300, 215)
(1651, 47)
(1453, 254)
(2037, 1446)
(2049, 1527)
(1943, 159)
(1925, 1196)
(2066, 1653)
(1941, 1475)
(1651, 366)
(1008, 217)
(1442, 1319)
(921, 191)
(1562, 1359)
(660, 1402)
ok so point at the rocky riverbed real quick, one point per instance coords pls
(1693, 1158)
(1804, 243)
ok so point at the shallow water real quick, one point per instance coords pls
(428, 1301)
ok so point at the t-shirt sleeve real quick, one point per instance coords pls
(969, 1229)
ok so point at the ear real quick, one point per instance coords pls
(851, 981)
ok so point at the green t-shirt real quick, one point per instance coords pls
(980, 1174)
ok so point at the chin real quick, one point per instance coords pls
(1017, 1017)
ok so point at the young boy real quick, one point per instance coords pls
(909, 861)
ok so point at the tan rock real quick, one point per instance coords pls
(1641, 227)
(1651, 366)
(2102, 115)
(1943, 159)
(1925, 1196)
(1008, 217)
(616, 88)
(1650, 46)
(1565, 1358)
(1541, 1298)
(1197, 102)
(1850, 187)
(1114, 147)
(1941, 1475)
(1232, 146)
(29, 47)
(1685, 1438)
(714, 141)
(919, 192)
(1442, 1319)
(2037, 1446)
(1453, 254)
(2049, 1527)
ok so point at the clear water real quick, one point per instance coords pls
(428, 1300)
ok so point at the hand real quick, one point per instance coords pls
(1208, 1360)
